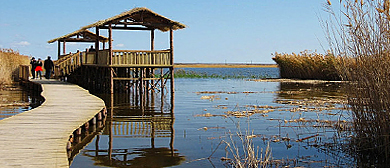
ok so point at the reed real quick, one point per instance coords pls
(245, 154)
(306, 65)
(359, 30)
(10, 60)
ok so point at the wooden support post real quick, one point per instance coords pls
(152, 40)
(63, 47)
(86, 126)
(141, 89)
(110, 60)
(59, 49)
(97, 45)
(172, 70)
(78, 131)
(162, 89)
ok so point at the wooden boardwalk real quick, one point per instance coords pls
(38, 138)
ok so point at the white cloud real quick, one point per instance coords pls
(23, 43)
(119, 45)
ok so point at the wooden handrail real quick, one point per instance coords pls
(146, 51)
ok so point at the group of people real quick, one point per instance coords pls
(36, 67)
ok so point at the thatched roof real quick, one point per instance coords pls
(82, 35)
(139, 16)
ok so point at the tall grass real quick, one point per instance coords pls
(306, 65)
(9, 65)
(360, 29)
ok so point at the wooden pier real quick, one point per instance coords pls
(106, 70)
(38, 138)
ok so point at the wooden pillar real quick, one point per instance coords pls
(172, 70)
(97, 45)
(141, 89)
(110, 60)
(63, 47)
(59, 49)
(162, 89)
(153, 55)
(152, 40)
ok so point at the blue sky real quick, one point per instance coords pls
(219, 31)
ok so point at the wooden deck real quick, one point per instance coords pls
(38, 138)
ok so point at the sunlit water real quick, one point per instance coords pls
(297, 120)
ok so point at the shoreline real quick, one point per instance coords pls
(223, 65)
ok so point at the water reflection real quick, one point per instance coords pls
(147, 125)
(14, 100)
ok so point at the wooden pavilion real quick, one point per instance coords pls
(119, 70)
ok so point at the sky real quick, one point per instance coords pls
(218, 31)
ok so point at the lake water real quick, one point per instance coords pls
(14, 100)
(211, 116)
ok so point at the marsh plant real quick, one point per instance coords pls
(360, 30)
(308, 65)
(10, 60)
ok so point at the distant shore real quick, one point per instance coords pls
(223, 65)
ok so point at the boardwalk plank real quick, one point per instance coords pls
(38, 137)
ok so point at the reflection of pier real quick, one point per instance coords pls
(137, 127)
(142, 126)
(148, 125)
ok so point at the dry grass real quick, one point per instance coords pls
(248, 156)
(360, 30)
(306, 65)
(9, 65)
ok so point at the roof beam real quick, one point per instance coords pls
(126, 28)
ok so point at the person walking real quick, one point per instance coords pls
(49, 67)
(38, 68)
(33, 63)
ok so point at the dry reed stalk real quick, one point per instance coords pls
(10, 61)
(362, 32)
(248, 156)
(307, 65)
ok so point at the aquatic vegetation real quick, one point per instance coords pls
(306, 115)
(359, 30)
(306, 65)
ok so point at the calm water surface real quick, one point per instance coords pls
(14, 100)
(297, 120)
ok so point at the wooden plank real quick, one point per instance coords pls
(38, 137)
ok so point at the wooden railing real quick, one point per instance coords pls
(67, 64)
(131, 58)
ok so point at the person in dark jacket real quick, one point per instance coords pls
(49, 67)
(33, 63)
